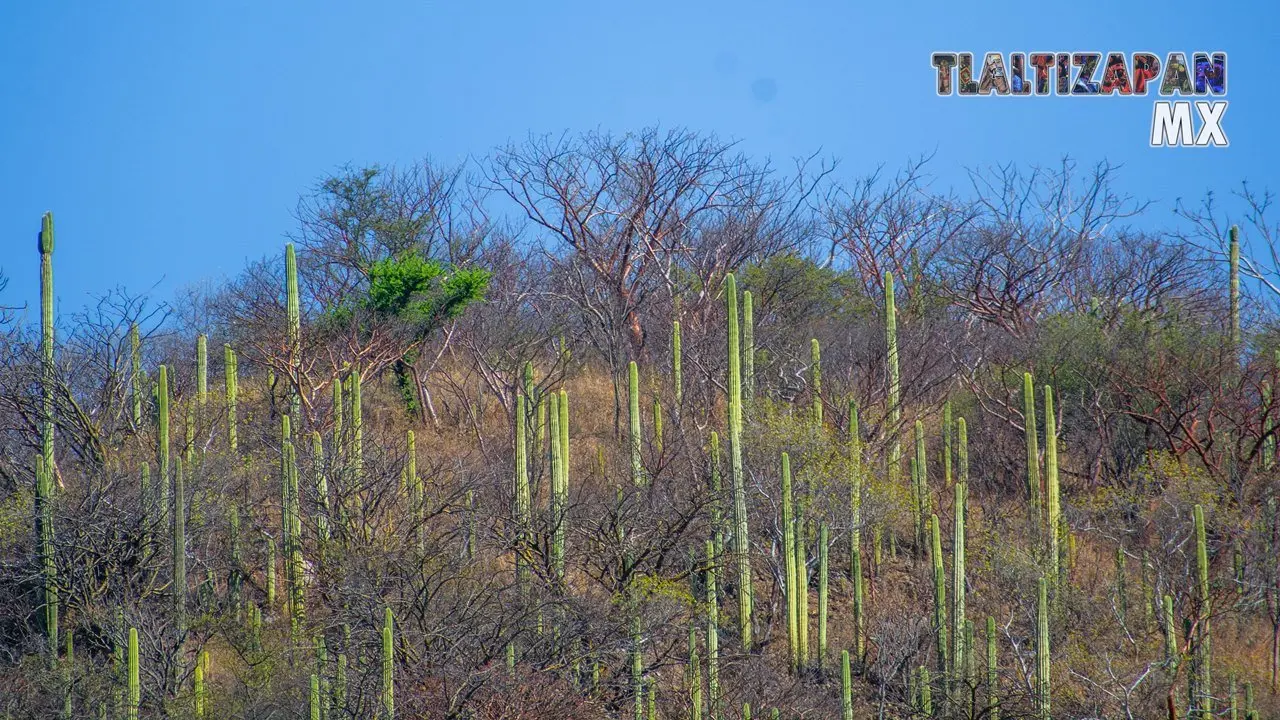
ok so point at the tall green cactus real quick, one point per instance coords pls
(388, 666)
(48, 566)
(202, 369)
(1053, 524)
(789, 562)
(1170, 632)
(46, 473)
(637, 664)
(1204, 654)
(716, 505)
(523, 498)
(134, 698)
(562, 488)
(200, 683)
(1042, 650)
(1233, 260)
(993, 672)
(815, 378)
(1033, 460)
(741, 540)
(231, 385)
(958, 621)
(846, 688)
(677, 367)
(323, 532)
(822, 594)
(855, 531)
(926, 692)
(695, 671)
(293, 314)
(947, 443)
(748, 353)
(356, 431)
(271, 573)
(713, 635)
(657, 425)
(939, 598)
(162, 443)
(923, 497)
(46, 343)
(179, 553)
(235, 577)
(136, 380)
(633, 424)
(895, 381)
(557, 551)
(314, 696)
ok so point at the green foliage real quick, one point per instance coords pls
(421, 292)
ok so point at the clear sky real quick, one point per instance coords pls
(172, 140)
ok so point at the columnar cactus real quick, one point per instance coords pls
(801, 548)
(822, 594)
(677, 366)
(557, 551)
(926, 692)
(958, 622)
(939, 598)
(637, 665)
(815, 378)
(855, 532)
(846, 688)
(741, 541)
(293, 313)
(657, 425)
(789, 562)
(134, 699)
(202, 369)
(748, 352)
(1204, 654)
(179, 553)
(235, 577)
(162, 442)
(695, 673)
(231, 385)
(716, 508)
(1170, 633)
(321, 479)
(356, 451)
(713, 636)
(523, 499)
(314, 703)
(562, 488)
(271, 573)
(1053, 525)
(48, 566)
(633, 425)
(895, 383)
(920, 476)
(136, 380)
(1033, 459)
(993, 672)
(1042, 651)
(46, 344)
(1233, 260)
(388, 666)
(946, 443)
(200, 688)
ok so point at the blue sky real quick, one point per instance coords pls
(172, 140)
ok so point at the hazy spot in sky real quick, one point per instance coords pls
(764, 89)
(726, 63)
